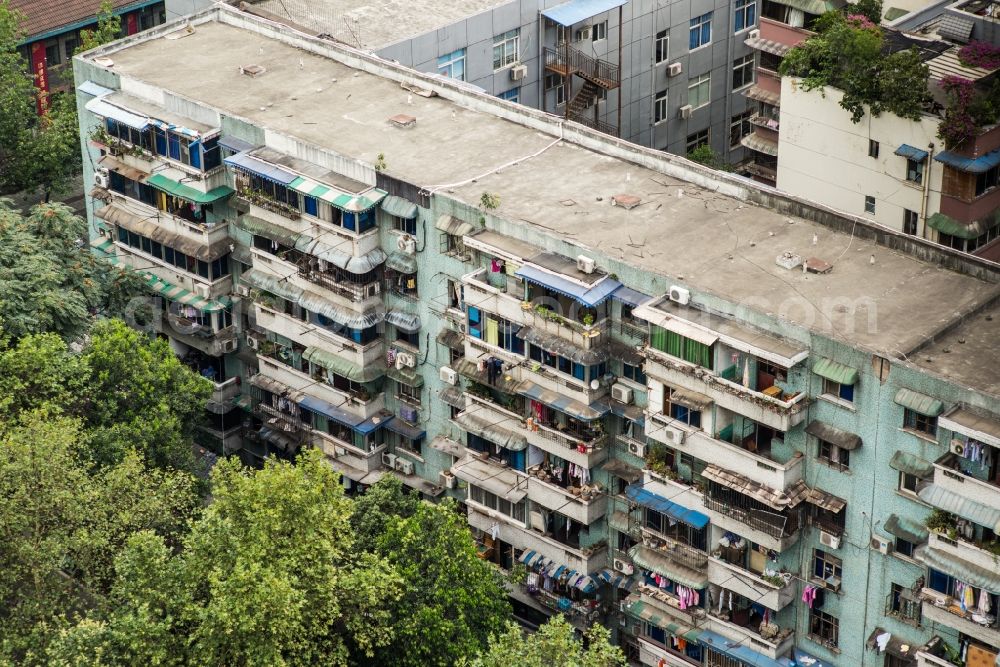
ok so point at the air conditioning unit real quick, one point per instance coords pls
(518, 72)
(754, 34)
(339, 451)
(583, 34)
(675, 434)
(957, 447)
(389, 460)
(585, 264)
(447, 479)
(637, 448)
(623, 566)
(243, 290)
(685, 111)
(252, 343)
(101, 178)
(405, 359)
(680, 295)
(230, 345)
(832, 584)
(881, 545)
(829, 539)
(621, 393)
(448, 375)
(407, 244)
(404, 466)
(674, 69)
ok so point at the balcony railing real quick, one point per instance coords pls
(263, 201)
(769, 523)
(904, 607)
(568, 61)
(591, 122)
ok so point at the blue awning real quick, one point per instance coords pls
(236, 145)
(106, 110)
(540, 563)
(629, 296)
(330, 411)
(616, 579)
(93, 89)
(562, 403)
(660, 504)
(574, 11)
(588, 296)
(976, 165)
(737, 650)
(405, 430)
(911, 153)
(261, 168)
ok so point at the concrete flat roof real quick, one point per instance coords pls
(697, 237)
(969, 353)
(374, 24)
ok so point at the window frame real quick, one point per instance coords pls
(451, 61)
(744, 15)
(509, 45)
(918, 423)
(911, 220)
(660, 107)
(841, 392)
(661, 47)
(696, 83)
(743, 65)
(700, 138)
(740, 125)
(599, 31)
(915, 171)
(700, 31)
(873, 148)
(825, 452)
(870, 204)
(824, 627)
(511, 95)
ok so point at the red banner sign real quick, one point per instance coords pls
(41, 76)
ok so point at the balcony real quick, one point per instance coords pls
(773, 641)
(765, 527)
(782, 411)
(224, 395)
(198, 231)
(751, 585)
(310, 335)
(346, 454)
(668, 605)
(582, 508)
(904, 606)
(948, 475)
(250, 200)
(963, 550)
(942, 609)
(213, 343)
(364, 406)
(782, 33)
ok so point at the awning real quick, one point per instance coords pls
(562, 403)
(499, 481)
(973, 165)
(260, 168)
(619, 521)
(905, 529)
(761, 144)
(837, 372)
(651, 560)
(774, 498)
(506, 383)
(93, 89)
(826, 501)
(100, 107)
(767, 45)
(625, 352)
(406, 322)
(453, 396)
(542, 564)
(500, 432)
(690, 399)
(737, 650)
(400, 427)
(119, 167)
(343, 259)
(344, 367)
(150, 228)
(925, 405)
(401, 262)
(960, 569)
(985, 515)
(236, 145)
(316, 303)
(755, 92)
(277, 438)
(269, 230)
(978, 427)
(408, 376)
(633, 413)
(399, 207)
(330, 411)
(564, 348)
(590, 296)
(623, 470)
(177, 294)
(451, 225)
(646, 498)
(682, 328)
(574, 11)
(827, 433)
(257, 279)
(616, 579)
(448, 446)
(161, 182)
(352, 203)
(451, 339)
(274, 386)
(911, 465)
(629, 296)
(963, 230)
(911, 153)
(654, 615)
(811, 6)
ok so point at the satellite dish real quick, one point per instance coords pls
(595, 384)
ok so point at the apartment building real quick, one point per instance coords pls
(667, 75)
(733, 427)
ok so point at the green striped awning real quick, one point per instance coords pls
(960, 569)
(344, 367)
(105, 248)
(269, 230)
(399, 207)
(938, 496)
(683, 575)
(911, 465)
(925, 405)
(645, 611)
(342, 200)
(831, 370)
(161, 182)
(952, 227)
(905, 529)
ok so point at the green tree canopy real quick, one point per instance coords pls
(554, 645)
(109, 28)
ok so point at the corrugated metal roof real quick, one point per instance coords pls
(448, 446)
(911, 153)
(755, 92)
(629, 296)
(44, 16)
(401, 262)
(407, 322)
(949, 501)
(767, 45)
(925, 405)
(949, 64)
(621, 469)
(737, 650)
(678, 512)
(270, 283)
(960, 569)
(825, 500)
(955, 28)
(269, 230)
(344, 367)
(761, 144)
(117, 215)
(562, 347)
(317, 303)
(905, 529)
(400, 427)
(453, 340)
(407, 376)
(449, 224)
(453, 396)
(911, 465)
(827, 433)
(260, 168)
(575, 11)
(963, 230)
(500, 432)
(778, 499)
(973, 165)
(588, 296)
(562, 403)
(399, 207)
(100, 107)
(644, 611)
(835, 371)
(681, 574)
(500, 481)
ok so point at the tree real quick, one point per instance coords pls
(383, 502)
(267, 576)
(109, 28)
(870, 9)
(554, 645)
(704, 154)
(452, 601)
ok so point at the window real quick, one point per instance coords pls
(660, 45)
(908, 482)
(746, 14)
(53, 56)
(872, 148)
(739, 127)
(834, 456)
(700, 90)
(69, 46)
(824, 628)
(918, 422)
(826, 566)
(561, 32)
(452, 65)
(909, 222)
(600, 31)
(915, 171)
(505, 48)
(405, 225)
(904, 547)
(512, 95)
(678, 346)
(555, 82)
(869, 204)
(742, 72)
(987, 180)
(408, 394)
(408, 337)
(844, 392)
(492, 501)
(697, 139)
(700, 32)
(634, 373)
(660, 106)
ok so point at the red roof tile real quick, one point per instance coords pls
(41, 16)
